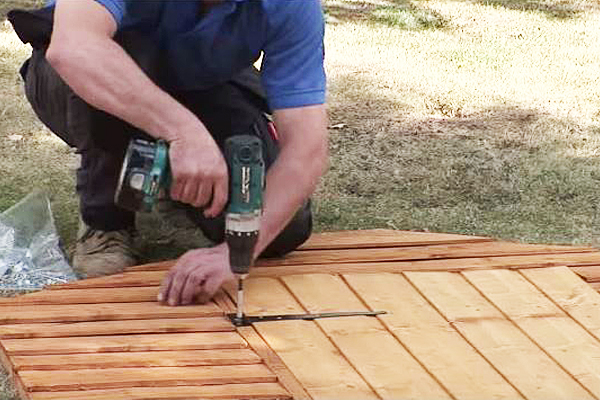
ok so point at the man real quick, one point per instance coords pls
(178, 71)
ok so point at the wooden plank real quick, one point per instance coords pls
(562, 338)
(578, 299)
(91, 379)
(140, 359)
(590, 273)
(125, 279)
(154, 278)
(453, 265)
(383, 238)
(14, 314)
(443, 251)
(302, 346)
(364, 341)
(270, 358)
(254, 391)
(430, 338)
(519, 359)
(85, 296)
(100, 328)
(436, 251)
(119, 343)
(511, 293)
(373, 238)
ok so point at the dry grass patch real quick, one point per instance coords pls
(488, 124)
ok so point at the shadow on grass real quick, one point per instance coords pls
(560, 9)
(507, 172)
(404, 14)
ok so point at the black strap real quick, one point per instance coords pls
(33, 27)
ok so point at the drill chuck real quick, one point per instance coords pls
(241, 250)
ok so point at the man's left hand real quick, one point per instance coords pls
(196, 276)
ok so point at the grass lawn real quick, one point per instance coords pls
(465, 116)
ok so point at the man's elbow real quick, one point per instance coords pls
(59, 55)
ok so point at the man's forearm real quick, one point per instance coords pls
(102, 73)
(295, 174)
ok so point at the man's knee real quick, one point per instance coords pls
(295, 233)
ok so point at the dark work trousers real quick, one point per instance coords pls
(234, 107)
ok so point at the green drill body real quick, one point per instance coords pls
(146, 172)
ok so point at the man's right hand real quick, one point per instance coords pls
(199, 173)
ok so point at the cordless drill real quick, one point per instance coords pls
(242, 218)
(146, 172)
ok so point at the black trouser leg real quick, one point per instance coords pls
(101, 139)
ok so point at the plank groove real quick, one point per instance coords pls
(120, 343)
(303, 347)
(433, 252)
(125, 279)
(85, 296)
(155, 277)
(355, 337)
(19, 314)
(99, 328)
(452, 265)
(254, 391)
(91, 379)
(567, 342)
(570, 293)
(430, 338)
(589, 273)
(269, 357)
(514, 354)
(140, 359)
(383, 238)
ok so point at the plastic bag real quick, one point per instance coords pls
(30, 252)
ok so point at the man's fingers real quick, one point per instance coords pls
(177, 284)
(203, 195)
(219, 198)
(190, 192)
(192, 287)
(211, 285)
(163, 292)
(177, 189)
(209, 288)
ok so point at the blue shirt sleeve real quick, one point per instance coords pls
(116, 8)
(293, 73)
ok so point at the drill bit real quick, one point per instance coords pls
(239, 316)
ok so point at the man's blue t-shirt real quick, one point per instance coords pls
(206, 48)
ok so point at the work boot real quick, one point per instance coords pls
(100, 253)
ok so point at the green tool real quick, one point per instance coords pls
(145, 173)
(242, 219)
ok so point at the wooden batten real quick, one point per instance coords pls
(466, 318)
